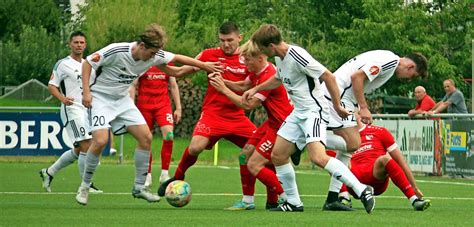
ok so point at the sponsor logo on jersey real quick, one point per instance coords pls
(235, 70)
(95, 57)
(156, 77)
(241, 60)
(363, 148)
(374, 70)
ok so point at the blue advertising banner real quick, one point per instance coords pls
(33, 134)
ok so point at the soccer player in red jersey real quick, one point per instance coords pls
(153, 101)
(220, 118)
(277, 106)
(378, 159)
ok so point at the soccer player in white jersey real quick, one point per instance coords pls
(358, 76)
(117, 65)
(306, 125)
(67, 76)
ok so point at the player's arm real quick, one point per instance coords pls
(133, 90)
(358, 78)
(86, 91)
(331, 84)
(218, 82)
(239, 86)
(57, 94)
(174, 90)
(185, 60)
(269, 84)
(396, 155)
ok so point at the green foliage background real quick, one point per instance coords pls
(34, 34)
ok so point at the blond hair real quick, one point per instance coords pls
(154, 36)
(250, 49)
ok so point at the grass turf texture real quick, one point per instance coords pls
(23, 202)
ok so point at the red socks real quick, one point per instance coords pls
(186, 161)
(268, 177)
(247, 180)
(395, 172)
(166, 151)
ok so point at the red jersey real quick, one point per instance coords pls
(426, 103)
(215, 102)
(375, 142)
(153, 89)
(275, 101)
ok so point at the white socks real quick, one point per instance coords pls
(67, 158)
(286, 176)
(339, 171)
(335, 185)
(142, 158)
(91, 164)
(81, 163)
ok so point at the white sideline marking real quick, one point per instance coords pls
(218, 194)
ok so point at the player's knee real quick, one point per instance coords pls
(385, 159)
(195, 149)
(100, 141)
(254, 167)
(169, 136)
(277, 158)
(352, 147)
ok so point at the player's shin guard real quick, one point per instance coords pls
(270, 180)
(187, 160)
(339, 171)
(286, 175)
(335, 185)
(67, 158)
(92, 161)
(166, 151)
(395, 172)
(142, 157)
(246, 178)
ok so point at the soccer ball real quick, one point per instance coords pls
(178, 193)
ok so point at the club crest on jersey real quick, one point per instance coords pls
(374, 70)
(369, 137)
(241, 60)
(52, 77)
(95, 57)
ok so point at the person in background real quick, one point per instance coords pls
(424, 102)
(453, 100)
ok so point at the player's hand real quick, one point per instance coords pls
(87, 99)
(67, 101)
(216, 80)
(365, 116)
(177, 116)
(341, 111)
(418, 193)
(213, 67)
(247, 95)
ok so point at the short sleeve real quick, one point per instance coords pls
(313, 69)
(163, 57)
(388, 141)
(372, 70)
(98, 58)
(57, 75)
(455, 98)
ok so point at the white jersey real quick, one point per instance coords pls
(116, 69)
(299, 72)
(67, 76)
(378, 65)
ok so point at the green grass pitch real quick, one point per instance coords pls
(23, 202)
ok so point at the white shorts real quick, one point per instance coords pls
(116, 114)
(303, 128)
(336, 122)
(74, 118)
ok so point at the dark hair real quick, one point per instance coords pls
(228, 27)
(421, 63)
(76, 33)
(266, 35)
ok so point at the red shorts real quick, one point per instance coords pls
(162, 117)
(364, 172)
(264, 140)
(238, 130)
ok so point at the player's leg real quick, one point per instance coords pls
(263, 169)
(346, 141)
(385, 166)
(165, 121)
(143, 136)
(149, 119)
(81, 163)
(196, 146)
(66, 158)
